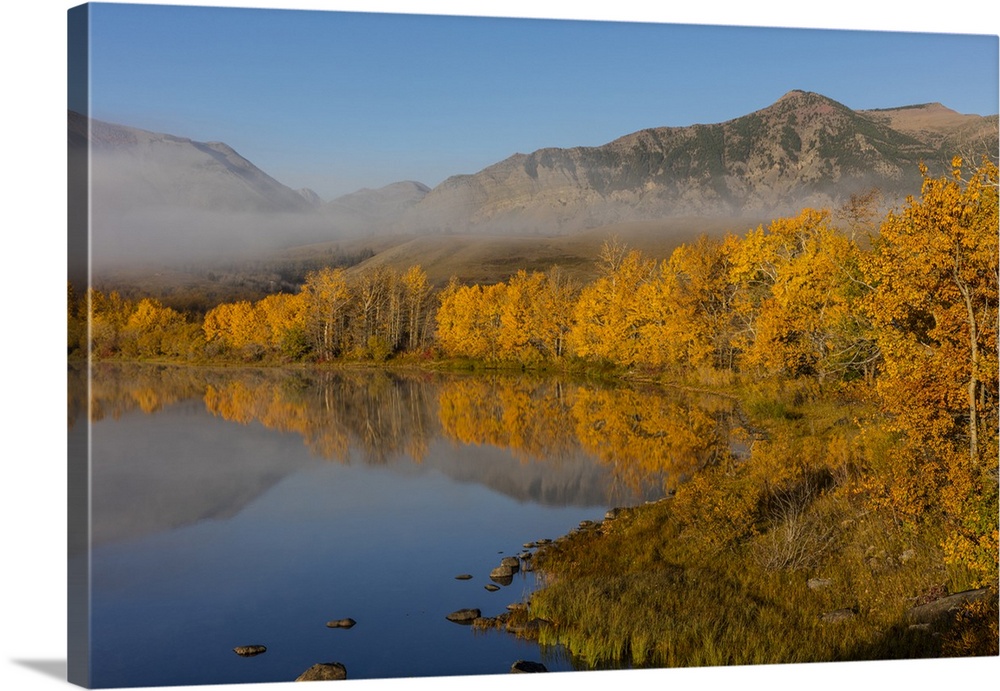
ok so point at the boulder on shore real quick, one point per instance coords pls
(942, 610)
(324, 671)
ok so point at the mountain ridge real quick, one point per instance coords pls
(804, 149)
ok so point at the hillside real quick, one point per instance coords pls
(486, 259)
(804, 150)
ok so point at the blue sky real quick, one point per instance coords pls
(336, 101)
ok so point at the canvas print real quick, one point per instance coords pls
(406, 346)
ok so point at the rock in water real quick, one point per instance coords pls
(502, 573)
(324, 671)
(511, 562)
(249, 650)
(341, 623)
(526, 666)
(464, 616)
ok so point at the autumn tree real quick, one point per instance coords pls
(934, 304)
(283, 317)
(553, 310)
(417, 306)
(377, 312)
(796, 297)
(76, 322)
(153, 330)
(327, 302)
(468, 320)
(236, 327)
(108, 315)
(608, 317)
(690, 299)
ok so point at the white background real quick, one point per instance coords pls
(33, 415)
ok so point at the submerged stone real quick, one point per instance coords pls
(527, 667)
(341, 623)
(464, 616)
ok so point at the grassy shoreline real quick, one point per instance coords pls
(773, 560)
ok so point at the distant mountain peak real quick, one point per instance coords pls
(805, 149)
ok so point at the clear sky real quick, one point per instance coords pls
(336, 101)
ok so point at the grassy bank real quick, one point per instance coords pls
(775, 557)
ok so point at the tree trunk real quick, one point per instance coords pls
(973, 371)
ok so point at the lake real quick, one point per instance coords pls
(240, 507)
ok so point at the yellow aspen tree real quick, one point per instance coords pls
(934, 268)
(108, 314)
(796, 294)
(153, 330)
(554, 312)
(934, 305)
(327, 300)
(520, 327)
(468, 320)
(608, 315)
(416, 304)
(284, 318)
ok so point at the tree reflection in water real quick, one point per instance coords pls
(641, 433)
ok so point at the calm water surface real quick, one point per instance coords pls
(251, 507)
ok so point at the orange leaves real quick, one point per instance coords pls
(468, 320)
(795, 292)
(523, 320)
(934, 268)
(611, 313)
(934, 306)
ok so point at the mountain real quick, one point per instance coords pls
(169, 198)
(166, 197)
(369, 211)
(135, 167)
(941, 127)
(804, 150)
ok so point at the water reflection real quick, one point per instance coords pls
(235, 506)
(645, 440)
